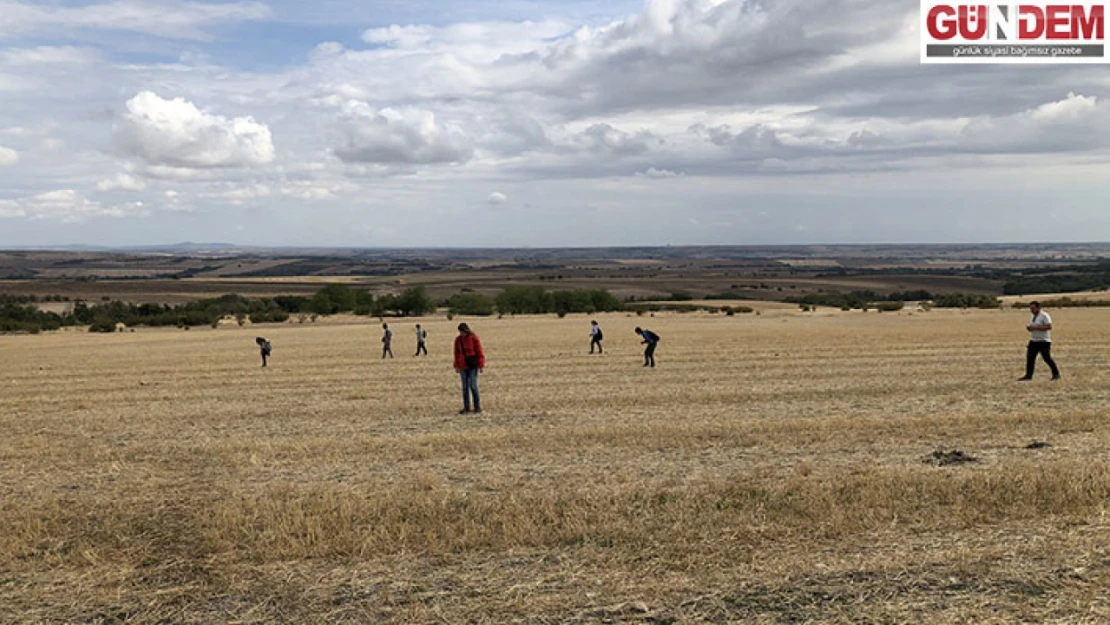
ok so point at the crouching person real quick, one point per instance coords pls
(265, 348)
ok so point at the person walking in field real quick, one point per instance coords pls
(1040, 342)
(387, 341)
(596, 336)
(265, 348)
(421, 339)
(469, 360)
(650, 339)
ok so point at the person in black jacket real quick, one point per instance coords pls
(265, 348)
(650, 339)
(387, 340)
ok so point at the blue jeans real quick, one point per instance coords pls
(470, 387)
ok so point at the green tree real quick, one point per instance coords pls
(470, 304)
(415, 302)
(364, 302)
(333, 298)
(523, 300)
(384, 305)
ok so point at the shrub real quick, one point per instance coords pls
(105, 326)
(523, 300)
(528, 300)
(910, 296)
(965, 300)
(470, 304)
(272, 316)
(1067, 302)
(292, 303)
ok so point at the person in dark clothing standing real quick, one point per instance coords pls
(469, 360)
(421, 338)
(1040, 342)
(650, 339)
(265, 348)
(387, 341)
(595, 337)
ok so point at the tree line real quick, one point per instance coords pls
(892, 301)
(19, 313)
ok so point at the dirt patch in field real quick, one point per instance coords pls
(949, 457)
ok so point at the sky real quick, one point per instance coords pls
(535, 123)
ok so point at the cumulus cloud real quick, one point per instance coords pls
(605, 139)
(704, 52)
(67, 206)
(406, 135)
(761, 86)
(471, 41)
(497, 199)
(308, 191)
(8, 156)
(175, 133)
(238, 195)
(1076, 123)
(659, 174)
(810, 142)
(757, 137)
(713, 89)
(121, 182)
(513, 133)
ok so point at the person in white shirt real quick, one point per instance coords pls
(421, 338)
(1040, 342)
(595, 337)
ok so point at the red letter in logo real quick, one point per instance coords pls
(1030, 22)
(1057, 18)
(1087, 26)
(940, 28)
(979, 17)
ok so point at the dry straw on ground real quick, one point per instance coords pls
(768, 471)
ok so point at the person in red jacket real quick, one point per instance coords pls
(469, 360)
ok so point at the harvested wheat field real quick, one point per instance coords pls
(774, 468)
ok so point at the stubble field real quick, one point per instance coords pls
(769, 470)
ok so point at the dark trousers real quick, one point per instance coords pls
(420, 348)
(386, 349)
(649, 355)
(596, 341)
(1044, 348)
